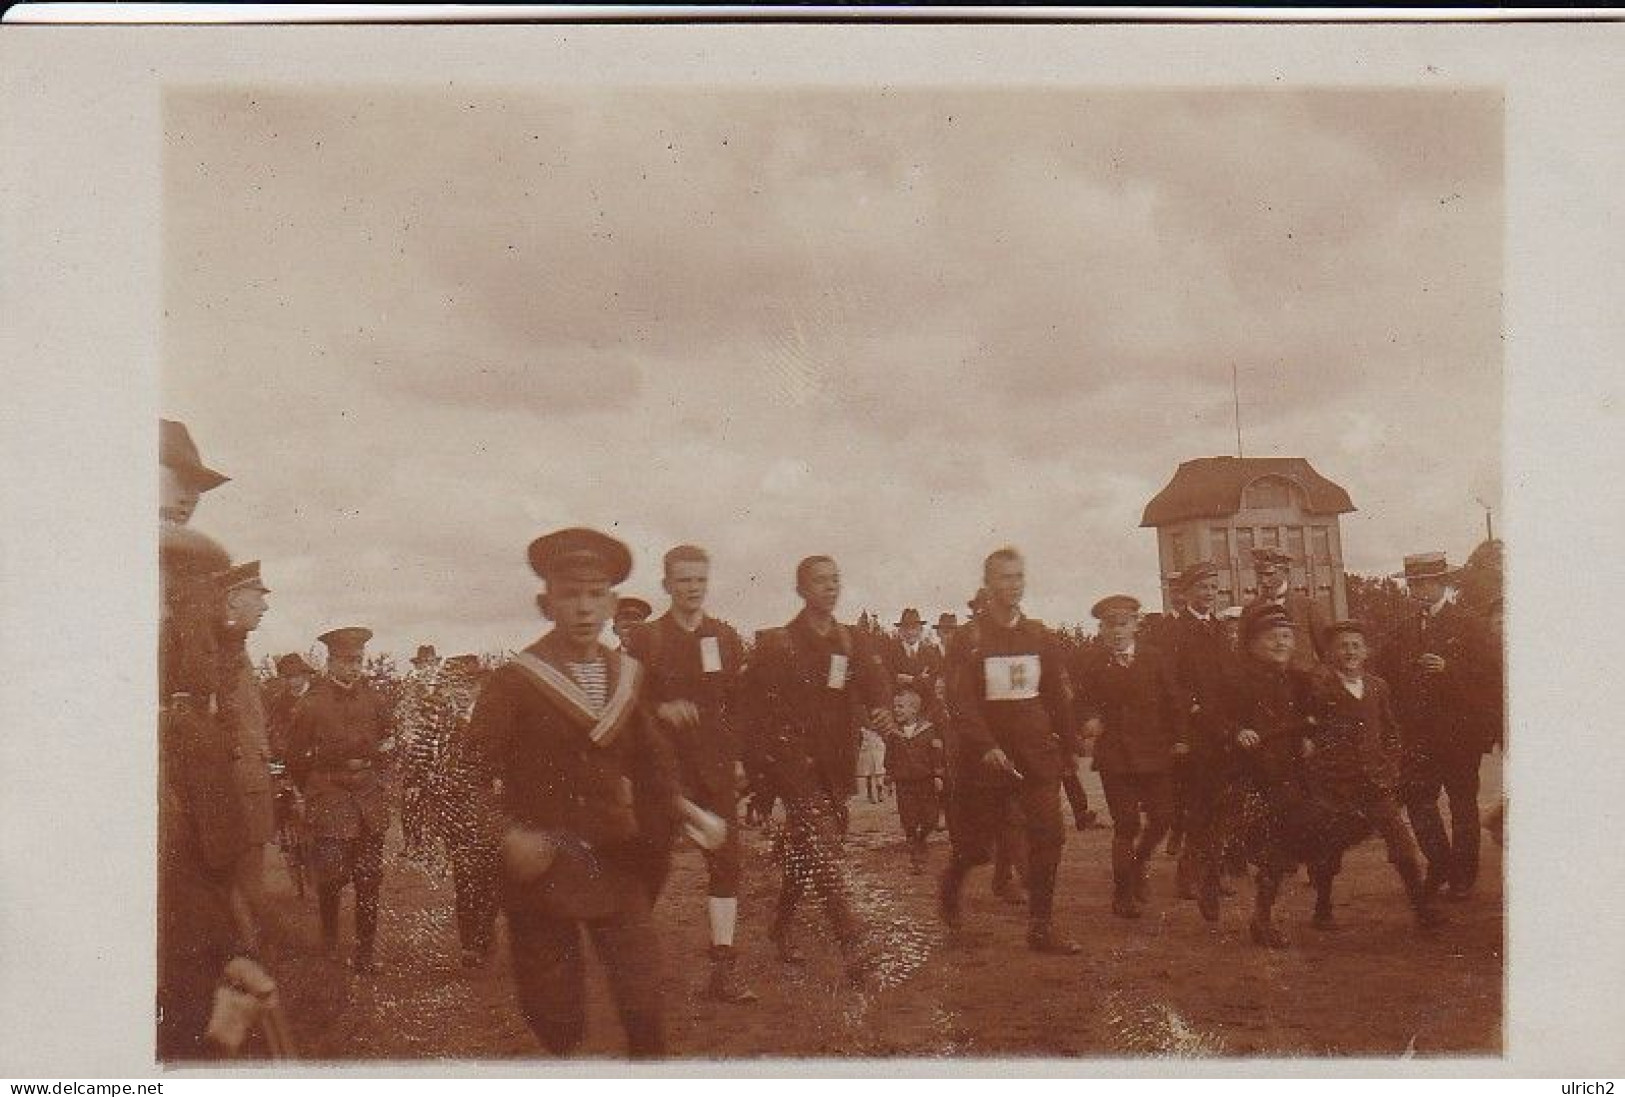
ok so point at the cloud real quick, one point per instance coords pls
(420, 327)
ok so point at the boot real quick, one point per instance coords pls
(948, 893)
(1041, 937)
(725, 985)
(1262, 927)
(1186, 874)
(327, 905)
(784, 942)
(1427, 915)
(1123, 872)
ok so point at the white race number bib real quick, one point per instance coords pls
(837, 671)
(710, 655)
(1011, 677)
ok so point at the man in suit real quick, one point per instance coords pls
(1130, 704)
(339, 752)
(587, 808)
(1205, 668)
(694, 662)
(814, 682)
(1441, 663)
(1012, 708)
(914, 661)
(423, 731)
(1274, 570)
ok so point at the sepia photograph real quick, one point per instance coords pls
(939, 569)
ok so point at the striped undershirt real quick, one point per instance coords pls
(593, 678)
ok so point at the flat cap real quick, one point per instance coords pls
(1264, 619)
(1336, 627)
(578, 549)
(1115, 605)
(1202, 569)
(177, 451)
(344, 641)
(632, 609)
(289, 665)
(243, 577)
(1268, 554)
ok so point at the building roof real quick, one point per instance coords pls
(1211, 487)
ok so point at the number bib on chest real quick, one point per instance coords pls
(1011, 677)
(837, 671)
(710, 655)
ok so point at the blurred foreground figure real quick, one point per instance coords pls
(211, 991)
(587, 808)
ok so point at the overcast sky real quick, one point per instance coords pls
(903, 328)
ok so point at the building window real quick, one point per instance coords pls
(1323, 543)
(1270, 536)
(1244, 541)
(1176, 550)
(1218, 540)
(1267, 493)
(1294, 543)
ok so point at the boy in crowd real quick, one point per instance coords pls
(915, 763)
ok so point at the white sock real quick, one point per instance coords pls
(723, 913)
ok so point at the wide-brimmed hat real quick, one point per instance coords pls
(911, 616)
(177, 451)
(947, 621)
(426, 654)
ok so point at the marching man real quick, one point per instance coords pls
(694, 662)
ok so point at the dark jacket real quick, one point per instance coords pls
(1274, 702)
(1141, 708)
(917, 757)
(922, 670)
(1356, 739)
(1206, 670)
(1452, 714)
(338, 756)
(1007, 688)
(673, 658)
(609, 802)
(806, 731)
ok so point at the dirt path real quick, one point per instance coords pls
(1168, 984)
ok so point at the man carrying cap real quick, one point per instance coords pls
(1440, 661)
(812, 682)
(183, 477)
(1205, 668)
(243, 711)
(422, 730)
(588, 805)
(1012, 706)
(338, 752)
(694, 662)
(1130, 704)
(1273, 566)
